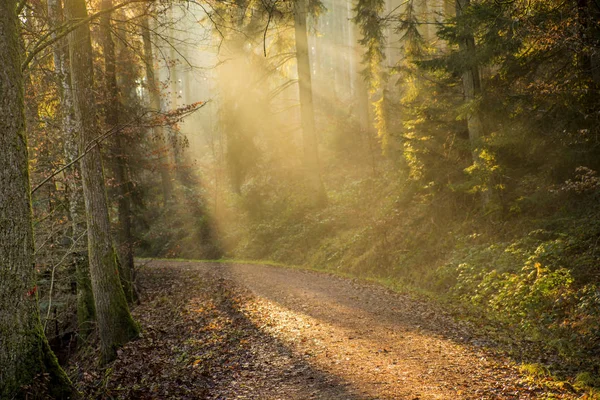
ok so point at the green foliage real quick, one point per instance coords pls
(370, 20)
(532, 284)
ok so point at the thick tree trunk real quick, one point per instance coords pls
(112, 112)
(311, 154)
(85, 299)
(154, 93)
(24, 350)
(116, 327)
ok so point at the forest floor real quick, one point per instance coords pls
(233, 331)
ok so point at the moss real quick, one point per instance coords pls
(60, 386)
(40, 376)
(86, 310)
(585, 380)
(125, 275)
(126, 329)
(122, 326)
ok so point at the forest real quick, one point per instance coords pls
(299, 199)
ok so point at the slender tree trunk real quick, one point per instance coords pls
(85, 299)
(471, 86)
(154, 93)
(361, 97)
(175, 137)
(471, 80)
(115, 324)
(24, 350)
(311, 154)
(112, 111)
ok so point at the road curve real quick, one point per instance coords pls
(383, 345)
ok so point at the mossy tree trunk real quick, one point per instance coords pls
(115, 324)
(112, 111)
(24, 350)
(309, 137)
(85, 299)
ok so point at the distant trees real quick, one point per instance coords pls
(155, 105)
(311, 150)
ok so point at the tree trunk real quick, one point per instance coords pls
(175, 135)
(311, 154)
(24, 350)
(115, 324)
(471, 80)
(112, 112)
(86, 311)
(471, 86)
(154, 93)
(361, 99)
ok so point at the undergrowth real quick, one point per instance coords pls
(531, 278)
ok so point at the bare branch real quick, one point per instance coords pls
(56, 34)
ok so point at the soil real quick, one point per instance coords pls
(235, 331)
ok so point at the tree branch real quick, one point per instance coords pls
(91, 146)
(67, 28)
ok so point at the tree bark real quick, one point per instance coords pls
(24, 350)
(112, 111)
(471, 80)
(471, 85)
(86, 311)
(311, 153)
(175, 136)
(115, 324)
(361, 91)
(154, 94)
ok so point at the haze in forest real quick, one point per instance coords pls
(445, 148)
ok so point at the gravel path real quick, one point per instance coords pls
(234, 331)
(384, 345)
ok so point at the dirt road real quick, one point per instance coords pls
(381, 344)
(227, 331)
